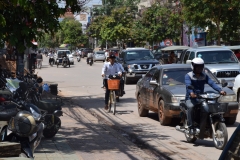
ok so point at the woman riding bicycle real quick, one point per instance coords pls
(109, 69)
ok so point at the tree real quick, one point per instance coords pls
(23, 21)
(221, 17)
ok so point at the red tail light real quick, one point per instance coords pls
(2, 99)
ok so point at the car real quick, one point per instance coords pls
(68, 52)
(136, 62)
(162, 88)
(85, 51)
(99, 56)
(220, 60)
(236, 87)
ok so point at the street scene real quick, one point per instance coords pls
(125, 79)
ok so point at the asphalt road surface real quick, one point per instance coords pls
(82, 83)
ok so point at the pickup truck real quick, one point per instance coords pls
(220, 60)
(136, 62)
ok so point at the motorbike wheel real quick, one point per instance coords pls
(65, 65)
(51, 129)
(221, 137)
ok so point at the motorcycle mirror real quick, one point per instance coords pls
(190, 87)
(224, 82)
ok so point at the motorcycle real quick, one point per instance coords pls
(215, 126)
(51, 61)
(78, 58)
(90, 61)
(21, 121)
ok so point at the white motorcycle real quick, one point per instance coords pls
(78, 58)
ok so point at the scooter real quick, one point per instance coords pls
(215, 126)
(78, 58)
(51, 61)
(12, 115)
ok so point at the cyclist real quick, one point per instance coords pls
(110, 68)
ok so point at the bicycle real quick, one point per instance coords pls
(113, 86)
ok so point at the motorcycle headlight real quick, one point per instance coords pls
(228, 98)
(35, 115)
(177, 99)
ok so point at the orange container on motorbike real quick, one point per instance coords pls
(113, 84)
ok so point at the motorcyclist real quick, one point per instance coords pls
(89, 56)
(197, 78)
(51, 57)
(110, 68)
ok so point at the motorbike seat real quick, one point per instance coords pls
(7, 112)
(49, 105)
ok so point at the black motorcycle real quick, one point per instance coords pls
(51, 61)
(51, 109)
(24, 122)
(215, 127)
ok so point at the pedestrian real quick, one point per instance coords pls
(110, 68)
(39, 58)
(172, 58)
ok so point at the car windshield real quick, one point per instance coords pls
(139, 55)
(177, 76)
(215, 57)
(60, 53)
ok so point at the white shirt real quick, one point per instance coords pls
(51, 55)
(121, 67)
(90, 55)
(109, 69)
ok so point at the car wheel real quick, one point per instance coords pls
(161, 114)
(141, 110)
(230, 120)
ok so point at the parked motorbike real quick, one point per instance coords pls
(20, 121)
(51, 109)
(215, 127)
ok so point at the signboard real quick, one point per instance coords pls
(168, 42)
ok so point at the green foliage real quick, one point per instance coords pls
(23, 21)
(221, 17)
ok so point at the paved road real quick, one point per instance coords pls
(82, 83)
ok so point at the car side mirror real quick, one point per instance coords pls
(188, 61)
(224, 82)
(154, 82)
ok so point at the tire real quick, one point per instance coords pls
(221, 130)
(142, 112)
(126, 79)
(65, 65)
(51, 129)
(57, 65)
(164, 121)
(230, 120)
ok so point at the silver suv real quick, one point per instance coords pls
(221, 61)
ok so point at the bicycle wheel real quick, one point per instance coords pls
(114, 102)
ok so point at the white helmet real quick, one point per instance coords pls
(197, 62)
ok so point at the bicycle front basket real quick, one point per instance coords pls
(113, 84)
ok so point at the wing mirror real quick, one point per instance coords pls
(154, 82)
(224, 82)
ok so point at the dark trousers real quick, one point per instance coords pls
(107, 92)
(203, 115)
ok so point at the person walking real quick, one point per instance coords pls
(39, 58)
(110, 68)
